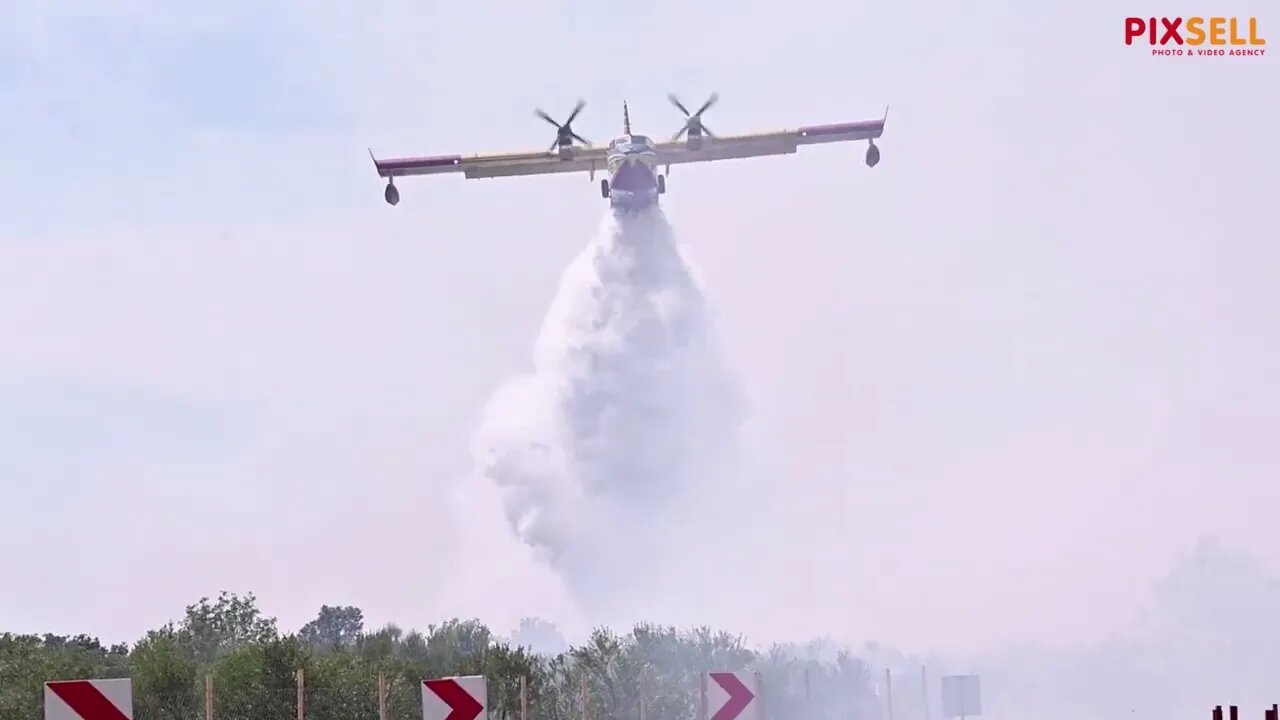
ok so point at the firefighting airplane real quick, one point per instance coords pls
(631, 161)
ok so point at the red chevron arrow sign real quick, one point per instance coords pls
(88, 700)
(455, 698)
(731, 696)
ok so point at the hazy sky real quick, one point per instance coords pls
(1008, 377)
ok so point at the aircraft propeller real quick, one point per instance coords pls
(693, 125)
(564, 131)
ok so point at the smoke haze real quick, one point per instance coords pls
(609, 458)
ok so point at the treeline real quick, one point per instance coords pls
(230, 650)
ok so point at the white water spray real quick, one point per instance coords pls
(628, 406)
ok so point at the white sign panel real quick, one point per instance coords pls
(961, 696)
(731, 696)
(88, 699)
(455, 698)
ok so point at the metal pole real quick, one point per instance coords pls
(761, 713)
(703, 698)
(924, 691)
(888, 692)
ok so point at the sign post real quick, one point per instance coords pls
(961, 696)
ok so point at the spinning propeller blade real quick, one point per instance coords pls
(693, 124)
(564, 131)
(576, 109)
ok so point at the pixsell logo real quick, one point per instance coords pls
(1197, 36)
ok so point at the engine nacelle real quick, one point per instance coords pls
(873, 156)
(392, 194)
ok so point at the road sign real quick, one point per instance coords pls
(961, 696)
(731, 696)
(88, 699)
(455, 698)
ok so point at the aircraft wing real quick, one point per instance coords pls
(494, 164)
(780, 142)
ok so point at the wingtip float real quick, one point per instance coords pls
(632, 163)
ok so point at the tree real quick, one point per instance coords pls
(334, 628)
(504, 665)
(23, 668)
(28, 661)
(212, 629)
(254, 668)
(258, 680)
(539, 637)
(458, 644)
(165, 676)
